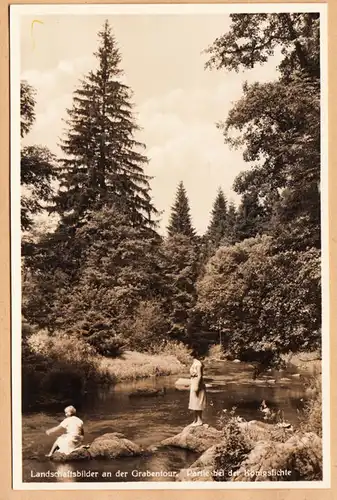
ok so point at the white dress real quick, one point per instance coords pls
(197, 401)
(73, 437)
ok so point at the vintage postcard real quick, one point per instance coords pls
(169, 236)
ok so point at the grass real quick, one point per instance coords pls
(135, 365)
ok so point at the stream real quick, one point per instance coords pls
(148, 420)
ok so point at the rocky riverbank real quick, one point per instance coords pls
(256, 451)
(243, 451)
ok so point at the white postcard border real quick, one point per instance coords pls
(16, 11)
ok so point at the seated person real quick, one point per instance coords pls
(72, 438)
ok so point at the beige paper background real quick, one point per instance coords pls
(6, 493)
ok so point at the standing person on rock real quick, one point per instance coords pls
(197, 402)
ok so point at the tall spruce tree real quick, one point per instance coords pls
(217, 228)
(180, 218)
(180, 272)
(231, 224)
(102, 170)
(104, 165)
(250, 218)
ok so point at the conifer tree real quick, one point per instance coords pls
(231, 224)
(180, 218)
(217, 228)
(104, 165)
(250, 219)
(180, 271)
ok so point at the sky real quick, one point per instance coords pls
(177, 103)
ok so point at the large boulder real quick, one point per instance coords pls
(108, 446)
(197, 439)
(252, 435)
(298, 459)
(202, 469)
(113, 445)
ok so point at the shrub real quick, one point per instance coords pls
(106, 343)
(233, 451)
(311, 416)
(301, 454)
(56, 367)
(176, 349)
(216, 352)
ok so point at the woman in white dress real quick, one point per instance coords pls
(197, 401)
(73, 436)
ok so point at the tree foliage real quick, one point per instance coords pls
(254, 277)
(253, 38)
(231, 237)
(262, 299)
(119, 270)
(27, 107)
(250, 218)
(38, 170)
(38, 166)
(277, 124)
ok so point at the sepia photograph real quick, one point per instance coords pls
(169, 246)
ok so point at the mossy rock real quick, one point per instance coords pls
(301, 455)
(108, 446)
(197, 439)
(113, 445)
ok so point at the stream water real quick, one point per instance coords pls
(148, 420)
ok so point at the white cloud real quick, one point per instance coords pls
(66, 66)
(65, 73)
(38, 78)
(179, 129)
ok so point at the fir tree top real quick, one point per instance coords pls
(180, 218)
(217, 228)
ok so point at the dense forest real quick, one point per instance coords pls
(103, 276)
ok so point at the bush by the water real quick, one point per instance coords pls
(216, 352)
(58, 367)
(61, 367)
(145, 329)
(234, 448)
(106, 343)
(311, 416)
(174, 348)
